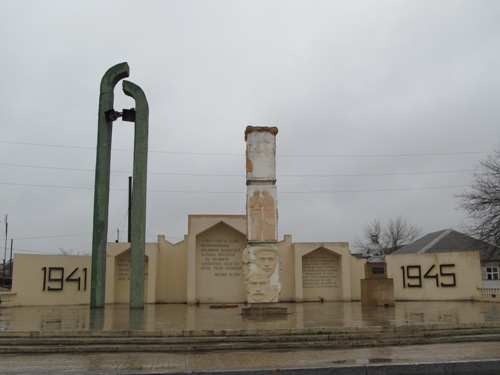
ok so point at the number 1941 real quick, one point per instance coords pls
(53, 278)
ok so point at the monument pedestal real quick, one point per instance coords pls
(261, 310)
(376, 288)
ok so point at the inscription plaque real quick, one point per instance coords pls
(319, 270)
(220, 257)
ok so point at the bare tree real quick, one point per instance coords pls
(370, 229)
(482, 202)
(73, 252)
(392, 235)
(398, 232)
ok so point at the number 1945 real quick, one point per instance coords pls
(412, 276)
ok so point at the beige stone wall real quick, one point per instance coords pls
(435, 276)
(287, 274)
(219, 271)
(118, 273)
(171, 278)
(357, 272)
(206, 267)
(215, 228)
(322, 271)
(51, 280)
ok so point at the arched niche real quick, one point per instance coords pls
(321, 276)
(121, 279)
(219, 272)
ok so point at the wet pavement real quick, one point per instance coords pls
(180, 317)
(252, 361)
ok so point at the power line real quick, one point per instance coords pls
(242, 175)
(56, 236)
(371, 190)
(31, 251)
(53, 186)
(243, 192)
(278, 155)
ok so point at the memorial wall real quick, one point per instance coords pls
(206, 267)
(51, 280)
(435, 276)
(239, 259)
(320, 276)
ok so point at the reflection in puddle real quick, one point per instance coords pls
(182, 317)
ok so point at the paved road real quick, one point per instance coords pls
(165, 318)
(351, 359)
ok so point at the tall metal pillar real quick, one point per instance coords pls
(139, 187)
(102, 176)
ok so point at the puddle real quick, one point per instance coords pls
(362, 361)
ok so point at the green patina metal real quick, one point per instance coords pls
(101, 193)
(138, 236)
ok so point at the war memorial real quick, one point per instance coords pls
(233, 284)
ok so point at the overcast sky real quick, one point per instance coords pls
(383, 107)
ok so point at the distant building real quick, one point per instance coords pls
(450, 240)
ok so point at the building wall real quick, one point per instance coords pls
(206, 267)
(357, 272)
(51, 279)
(202, 228)
(118, 273)
(171, 277)
(322, 271)
(287, 275)
(219, 275)
(435, 276)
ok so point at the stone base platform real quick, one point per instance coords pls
(377, 292)
(376, 288)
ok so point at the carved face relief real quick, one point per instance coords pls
(266, 260)
(257, 287)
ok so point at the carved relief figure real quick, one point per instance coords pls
(262, 211)
(256, 206)
(266, 259)
(269, 219)
(259, 289)
(261, 268)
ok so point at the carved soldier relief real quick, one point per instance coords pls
(262, 268)
(262, 214)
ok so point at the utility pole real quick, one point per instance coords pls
(5, 251)
(10, 263)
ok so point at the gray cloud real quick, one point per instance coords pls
(338, 78)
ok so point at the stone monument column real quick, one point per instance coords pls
(261, 259)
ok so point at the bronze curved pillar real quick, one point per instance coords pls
(101, 191)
